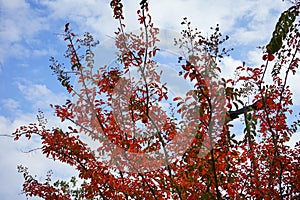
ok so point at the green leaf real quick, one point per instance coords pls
(282, 28)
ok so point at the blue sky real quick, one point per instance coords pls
(29, 36)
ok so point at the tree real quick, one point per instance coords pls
(187, 151)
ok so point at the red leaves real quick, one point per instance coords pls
(44, 190)
(128, 118)
(142, 19)
(269, 57)
(65, 111)
(117, 7)
(247, 74)
(27, 131)
(69, 89)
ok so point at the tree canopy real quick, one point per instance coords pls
(152, 144)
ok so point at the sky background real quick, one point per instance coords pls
(29, 35)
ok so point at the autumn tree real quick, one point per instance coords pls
(154, 145)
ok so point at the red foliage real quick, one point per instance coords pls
(147, 153)
(268, 57)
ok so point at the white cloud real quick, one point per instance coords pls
(40, 52)
(228, 66)
(13, 154)
(67, 8)
(22, 21)
(39, 96)
(293, 82)
(19, 25)
(257, 21)
(254, 57)
(10, 104)
(294, 139)
(91, 15)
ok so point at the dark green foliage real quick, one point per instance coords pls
(282, 28)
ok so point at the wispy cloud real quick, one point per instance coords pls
(90, 15)
(14, 153)
(39, 96)
(20, 23)
(11, 105)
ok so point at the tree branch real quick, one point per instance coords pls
(235, 114)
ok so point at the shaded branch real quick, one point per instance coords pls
(235, 114)
(6, 135)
